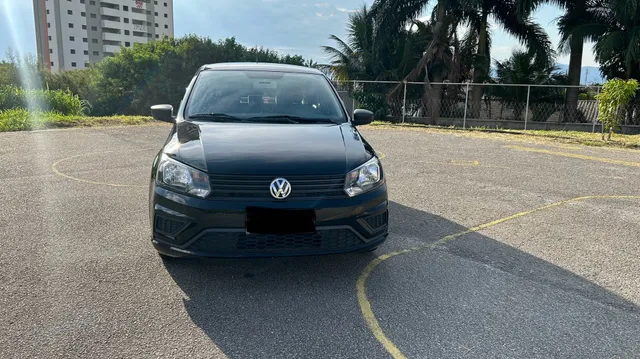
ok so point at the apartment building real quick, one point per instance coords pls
(71, 34)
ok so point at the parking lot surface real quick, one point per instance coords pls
(497, 248)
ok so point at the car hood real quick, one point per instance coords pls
(268, 149)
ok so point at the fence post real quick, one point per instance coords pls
(353, 98)
(595, 119)
(526, 111)
(466, 102)
(404, 101)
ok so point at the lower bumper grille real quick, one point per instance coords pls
(240, 242)
(169, 227)
(377, 221)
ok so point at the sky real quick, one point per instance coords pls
(288, 26)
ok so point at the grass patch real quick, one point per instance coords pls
(23, 120)
(584, 138)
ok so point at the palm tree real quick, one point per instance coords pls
(574, 25)
(523, 68)
(393, 14)
(360, 58)
(353, 59)
(614, 26)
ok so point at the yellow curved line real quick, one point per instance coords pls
(60, 173)
(575, 155)
(361, 289)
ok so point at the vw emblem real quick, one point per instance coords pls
(280, 188)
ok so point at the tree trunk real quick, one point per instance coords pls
(480, 70)
(436, 98)
(575, 69)
(440, 32)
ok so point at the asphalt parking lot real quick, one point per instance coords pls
(497, 248)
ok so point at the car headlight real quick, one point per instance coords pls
(182, 178)
(363, 178)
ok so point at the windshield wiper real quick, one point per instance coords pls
(218, 117)
(295, 119)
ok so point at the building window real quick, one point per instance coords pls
(47, 12)
(92, 2)
(127, 44)
(84, 27)
(125, 8)
(96, 53)
(126, 32)
(166, 15)
(94, 28)
(86, 64)
(81, 1)
(70, 25)
(157, 36)
(165, 4)
(166, 26)
(69, 12)
(84, 39)
(49, 25)
(73, 64)
(49, 38)
(51, 51)
(93, 16)
(126, 20)
(86, 52)
(156, 24)
(71, 38)
(83, 14)
(73, 52)
(155, 3)
(95, 41)
(155, 13)
(51, 63)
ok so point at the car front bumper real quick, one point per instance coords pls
(185, 226)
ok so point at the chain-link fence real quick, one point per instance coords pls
(482, 105)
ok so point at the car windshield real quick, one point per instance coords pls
(236, 95)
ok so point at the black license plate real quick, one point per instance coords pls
(280, 221)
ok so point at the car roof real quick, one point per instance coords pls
(260, 66)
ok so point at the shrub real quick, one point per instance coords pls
(64, 102)
(15, 120)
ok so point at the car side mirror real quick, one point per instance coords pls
(162, 113)
(362, 117)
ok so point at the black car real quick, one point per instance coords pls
(264, 160)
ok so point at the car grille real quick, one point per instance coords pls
(168, 226)
(257, 187)
(240, 242)
(377, 220)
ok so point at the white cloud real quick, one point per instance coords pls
(324, 16)
(341, 9)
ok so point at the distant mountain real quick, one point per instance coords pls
(594, 74)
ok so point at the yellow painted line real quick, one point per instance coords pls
(361, 284)
(54, 168)
(575, 155)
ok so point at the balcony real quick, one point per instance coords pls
(111, 48)
(110, 24)
(111, 36)
(110, 12)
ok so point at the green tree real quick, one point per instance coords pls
(574, 26)
(392, 14)
(615, 96)
(158, 72)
